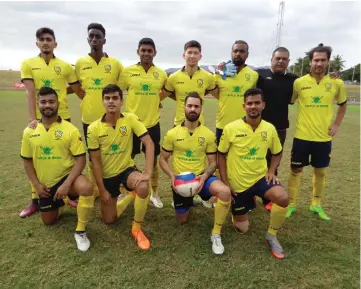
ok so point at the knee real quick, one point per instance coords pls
(224, 194)
(142, 189)
(283, 201)
(109, 221)
(241, 227)
(320, 172)
(182, 218)
(48, 221)
(296, 170)
(87, 189)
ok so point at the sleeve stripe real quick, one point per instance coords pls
(221, 152)
(143, 135)
(74, 82)
(26, 158)
(93, 150)
(83, 154)
(277, 154)
(168, 151)
(211, 153)
(209, 90)
(168, 90)
(342, 103)
(22, 80)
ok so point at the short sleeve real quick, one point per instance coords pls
(26, 71)
(168, 144)
(137, 126)
(92, 138)
(77, 70)
(211, 145)
(76, 144)
(341, 96)
(71, 77)
(26, 152)
(123, 81)
(224, 143)
(169, 84)
(276, 146)
(211, 82)
(295, 92)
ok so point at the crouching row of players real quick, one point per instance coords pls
(54, 157)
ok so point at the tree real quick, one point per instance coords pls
(337, 63)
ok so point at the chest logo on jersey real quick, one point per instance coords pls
(57, 70)
(107, 68)
(328, 87)
(123, 130)
(97, 81)
(47, 82)
(58, 134)
(47, 150)
(145, 87)
(201, 140)
(156, 74)
(264, 135)
(236, 89)
(316, 99)
(247, 76)
(253, 154)
(200, 82)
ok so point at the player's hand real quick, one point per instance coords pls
(202, 179)
(81, 94)
(33, 124)
(62, 192)
(106, 198)
(230, 69)
(335, 75)
(142, 178)
(221, 66)
(333, 129)
(42, 191)
(271, 177)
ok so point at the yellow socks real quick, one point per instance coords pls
(294, 181)
(34, 196)
(124, 203)
(140, 208)
(278, 216)
(92, 180)
(220, 215)
(318, 182)
(84, 210)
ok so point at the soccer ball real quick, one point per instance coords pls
(186, 184)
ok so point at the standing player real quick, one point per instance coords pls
(49, 71)
(243, 167)
(191, 144)
(316, 93)
(110, 141)
(54, 158)
(144, 81)
(95, 71)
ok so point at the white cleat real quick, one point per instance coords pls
(82, 241)
(217, 246)
(155, 199)
(197, 200)
(208, 204)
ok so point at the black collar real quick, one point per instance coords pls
(103, 117)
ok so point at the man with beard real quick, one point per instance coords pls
(54, 157)
(110, 143)
(95, 71)
(243, 167)
(50, 71)
(144, 81)
(191, 144)
(316, 93)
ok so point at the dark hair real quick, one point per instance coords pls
(193, 94)
(280, 49)
(47, 91)
(320, 48)
(240, 42)
(112, 88)
(146, 41)
(44, 30)
(253, 91)
(96, 26)
(193, 43)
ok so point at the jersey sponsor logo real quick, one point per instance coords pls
(180, 82)
(97, 81)
(188, 156)
(145, 90)
(47, 150)
(47, 82)
(47, 154)
(236, 89)
(328, 87)
(306, 87)
(179, 139)
(316, 102)
(156, 74)
(104, 135)
(34, 135)
(247, 76)
(114, 149)
(135, 74)
(239, 209)
(145, 87)
(252, 154)
(36, 68)
(57, 69)
(86, 68)
(200, 82)
(241, 135)
(107, 68)
(201, 140)
(58, 134)
(264, 135)
(123, 130)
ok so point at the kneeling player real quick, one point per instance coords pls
(54, 157)
(191, 143)
(243, 167)
(110, 142)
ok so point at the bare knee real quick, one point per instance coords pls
(109, 220)
(224, 193)
(87, 190)
(282, 201)
(296, 170)
(242, 226)
(182, 218)
(49, 219)
(142, 190)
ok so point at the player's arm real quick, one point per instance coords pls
(168, 89)
(30, 92)
(149, 154)
(215, 92)
(276, 151)
(163, 163)
(77, 89)
(223, 148)
(98, 172)
(341, 111)
(294, 93)
(212, 86)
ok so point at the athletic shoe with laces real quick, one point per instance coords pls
(82, 241)
(30, 210)
(291, 209)
(275, 246)
(142, 241)
(320, 212)
(217, 246)
(155, 199)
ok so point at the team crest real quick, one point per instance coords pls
(247, 76)
(264, 135)
(123, 130)
(156, 74)
(328, 86)
(58, 134)
(201, 140)
(57, 69)
(107, 68)
(200, 82)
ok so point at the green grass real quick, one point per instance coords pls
(321, 254)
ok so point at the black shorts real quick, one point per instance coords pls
(48, 204)
(113, 184)
(154, 133)
(320, 153)
(282, 136)
(218, 135)
(243, 202)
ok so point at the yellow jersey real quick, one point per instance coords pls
(315, 106)
(247, 150)
(143, 92)
(93, 78)
(115, 143)
(231, 95)
(57, 74)
(190, 149)
(182, 84)
(52, 150)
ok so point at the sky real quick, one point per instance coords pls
(215, 24)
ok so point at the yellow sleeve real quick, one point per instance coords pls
(25, 71)
(77, 70)
(71, 77)
(168, 142)
(295, 91)
(211, 144)
(211, 82)
(255, 80)
(341, 97)
(123, 81)
(137, 126)
(276, 146)
(92, 137)
(26, 152)
(169, 84)
(76, 144)
(120, 69)
(224, 143)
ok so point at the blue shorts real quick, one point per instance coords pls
(182, 204)
(243, 202)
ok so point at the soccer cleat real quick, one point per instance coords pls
(291, 209)
(217, 246)
(142, 241)
(73, 203)
(82, 241)
(197, 200)
(155, 199)
(268, 206)
(30, 210)
(321, 213)
(208, 204)
(275, 246)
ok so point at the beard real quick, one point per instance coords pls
(192, 117)
(238, 61)
(255, 115)
(49, 112)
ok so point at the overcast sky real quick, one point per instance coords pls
(215, 24)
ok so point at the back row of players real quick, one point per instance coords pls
(54, 156)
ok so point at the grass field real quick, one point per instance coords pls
(321, 254)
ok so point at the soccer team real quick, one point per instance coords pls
(251, 125)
